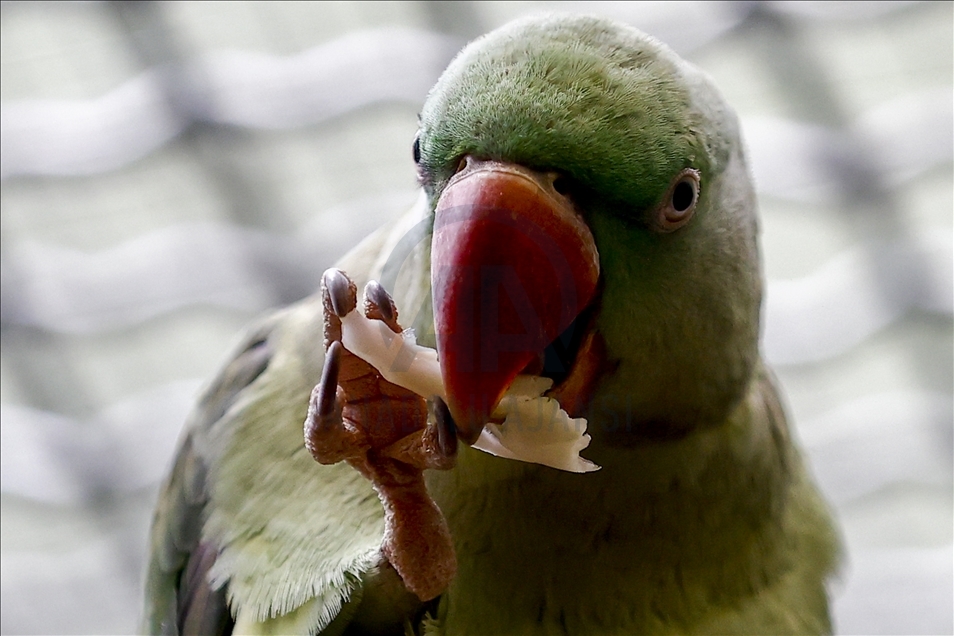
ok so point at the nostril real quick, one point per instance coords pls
(562, 185)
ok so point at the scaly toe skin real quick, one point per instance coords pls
(417, 541)
(435, 447)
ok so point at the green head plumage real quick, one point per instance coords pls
(620, 115)
(608, 106)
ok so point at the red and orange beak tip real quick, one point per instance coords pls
(512, 264)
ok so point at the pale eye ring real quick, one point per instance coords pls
(680, 202)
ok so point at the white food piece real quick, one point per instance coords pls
(396, 356)
(535, 428)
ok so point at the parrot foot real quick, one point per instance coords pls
(328, 437)
(435, 447)
(389, 434)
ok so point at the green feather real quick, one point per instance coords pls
(559, 93)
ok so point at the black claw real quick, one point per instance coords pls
(339, 291)
(328, 387)
(374, 292)
(446, 429)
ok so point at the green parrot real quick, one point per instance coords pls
(587, 217)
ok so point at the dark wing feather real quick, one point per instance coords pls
(199, 608)
(179, 597)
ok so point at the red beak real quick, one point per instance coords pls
(512, 264)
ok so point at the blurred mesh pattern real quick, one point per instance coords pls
(170, 170)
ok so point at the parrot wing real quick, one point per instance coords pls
(252, 535)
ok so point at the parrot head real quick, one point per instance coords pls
(593, 221)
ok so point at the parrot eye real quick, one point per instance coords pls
(680, 202)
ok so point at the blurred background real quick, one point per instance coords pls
(170, 170)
